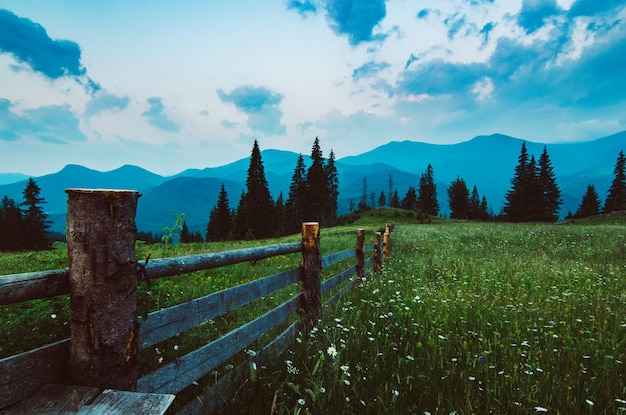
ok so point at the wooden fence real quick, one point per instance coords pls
(107, 334)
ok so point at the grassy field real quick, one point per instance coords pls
(467, 318)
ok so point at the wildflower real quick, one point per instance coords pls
(53, 316)
(363, 402)
(541, 409)
(322, 390)
(346, 381)
(332, 351)
(301, 402)
(590, 403)
(176, 347)
(395, 392)
(160, 360)
(344, 368)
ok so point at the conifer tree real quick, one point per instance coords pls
(520, 199)
(484, 212)
(259, 206)
(410, 199)
(11, 229)
(317, 200)
(280, 214)
(332, 177)
(590, 204)
(35, 221)
(395, 200)
(363, 201)
(458, 197)
(382, 200)
(474, 204)
(616, 198)
(427, 193)
(296, 197)
(220, 219)
(549, 190)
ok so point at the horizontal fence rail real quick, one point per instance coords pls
(26, 372)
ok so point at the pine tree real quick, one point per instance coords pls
(317, 197)
(296, 197)
(523, 199)
(35, 223)
(332, 177)
(590, 204)
(427, 193)
(616, 198)
(240, 218)
(549, 190)
(474, 204)
(483, 212)
(410, 199)
(395, 200)
(258, 206)
(363, 201)
(11, 230)
(220, 219)
(280, 213)
(382, 200)
(458, 197)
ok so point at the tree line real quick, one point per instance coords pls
(312, 196)
(24, 226)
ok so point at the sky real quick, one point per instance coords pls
(171, 85)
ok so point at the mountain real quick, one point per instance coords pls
(485, 161)
(8, 178)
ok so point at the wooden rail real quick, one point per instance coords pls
(25, 373)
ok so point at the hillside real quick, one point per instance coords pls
(485, 161)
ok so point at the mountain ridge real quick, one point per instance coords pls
(487, 161)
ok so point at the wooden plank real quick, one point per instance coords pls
(16, 288)
(333, 282)
(369, 248)
(56, 399)
(23, 374)
(332, 259)
(169, 322)
(167, 267)
(122, 402)
(228, 384)
(177, 375)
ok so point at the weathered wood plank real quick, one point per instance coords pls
(333, 258)
(167, 267)
(23, 374)
(333, 282)
(169, 322)
(227, 385)
(56, 399)
(177, 375)
(16, 288)
(122, 402)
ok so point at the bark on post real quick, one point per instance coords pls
(360, 254)
(386, 242)
(102, 271)
(311, 275)
(377, 254)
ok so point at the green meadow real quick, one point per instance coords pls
(465, 318)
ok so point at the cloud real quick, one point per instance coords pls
(593, 7)
(454, 23)
(485, 32)
(103, 101)
(260, 104)
(29, 43)
(423, 14)
(368, 70)
(157, 117)
(355, 18)
(534, 12)
(302, 7)
(51, 123)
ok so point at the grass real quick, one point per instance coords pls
(465, 318)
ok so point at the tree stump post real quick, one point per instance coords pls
(102, 271)
(311, 275)
(360, 254)
(377, 254)
(386, 242)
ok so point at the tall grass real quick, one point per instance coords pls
(471, 319)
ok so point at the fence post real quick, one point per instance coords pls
(377, 256)
(101, 254)
(311, 275)
(360, 254)
(386, 242)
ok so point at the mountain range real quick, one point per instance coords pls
(485, 161)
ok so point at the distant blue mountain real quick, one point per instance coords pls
(485, 161)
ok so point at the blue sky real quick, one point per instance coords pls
(189, 84)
